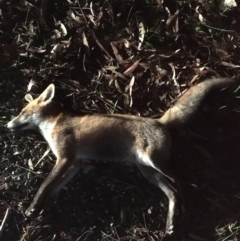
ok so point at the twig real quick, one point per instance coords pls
(4, 221)
(44, 155)
(218, 29)
(174, 78)
(94, 35)
(26, 169)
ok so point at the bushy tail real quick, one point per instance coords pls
(188, 104)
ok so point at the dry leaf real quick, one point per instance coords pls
(117, 86)
(132, 81)
(127, 100)
(55, 50)
(129, 70)
(63, 29)
(126, 43)
(33, 49)
(91, 9)
(234, 66)
(85, 42)
(172, 18)
(30, 164)
(33, 82)
(117, 55)
(142, 32)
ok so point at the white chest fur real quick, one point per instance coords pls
(46, 129)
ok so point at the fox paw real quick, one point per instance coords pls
(31, 211)
(169, 230)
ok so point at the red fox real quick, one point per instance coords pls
(144, 142)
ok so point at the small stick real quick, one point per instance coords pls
(174, 77)
(4, 221)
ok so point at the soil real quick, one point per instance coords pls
(121, 57)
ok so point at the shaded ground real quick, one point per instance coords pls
(93, 65)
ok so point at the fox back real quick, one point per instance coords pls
(102, 137)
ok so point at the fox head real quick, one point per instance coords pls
(31, 115)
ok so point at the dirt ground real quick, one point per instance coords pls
(119, 57)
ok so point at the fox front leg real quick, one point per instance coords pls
(67, 176)
(54, 177)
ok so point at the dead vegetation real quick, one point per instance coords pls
(124, 56)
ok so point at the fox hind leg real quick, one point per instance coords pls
(161, 181)
(166, 171)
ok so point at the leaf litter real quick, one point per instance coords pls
(132, 57)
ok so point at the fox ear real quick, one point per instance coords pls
(48, 94)
(28, 98)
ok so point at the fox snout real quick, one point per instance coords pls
(16, 124)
